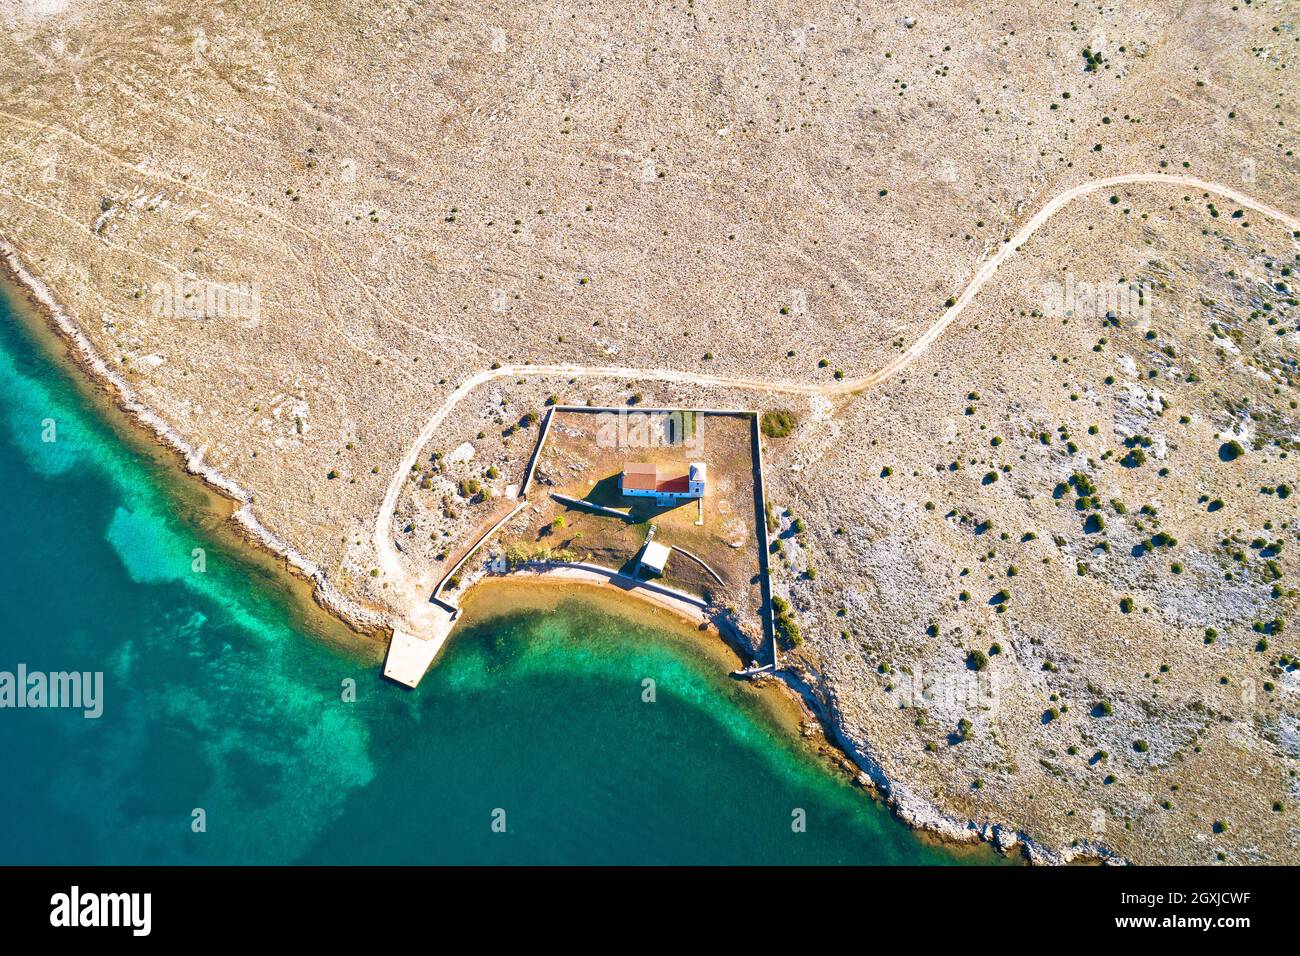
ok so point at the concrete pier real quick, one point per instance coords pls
(410, 656)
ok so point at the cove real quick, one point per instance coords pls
(224, 692)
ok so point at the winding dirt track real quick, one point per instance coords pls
(383, 538)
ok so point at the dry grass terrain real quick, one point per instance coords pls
(1068, 503)
(296, 228)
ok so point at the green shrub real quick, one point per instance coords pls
(783, 618)
(1134, 459)
(776, 424)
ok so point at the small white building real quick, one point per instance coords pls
(647, 480)
(654, 556)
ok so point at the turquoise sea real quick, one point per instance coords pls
(224, 693)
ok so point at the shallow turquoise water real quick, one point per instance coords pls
(218, 697)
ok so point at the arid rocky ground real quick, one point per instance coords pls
(295, 228)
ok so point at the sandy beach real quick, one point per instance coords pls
(676, 622)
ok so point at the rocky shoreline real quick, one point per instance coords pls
(919, 813)
(364, 620)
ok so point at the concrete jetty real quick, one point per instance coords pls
(409, 656)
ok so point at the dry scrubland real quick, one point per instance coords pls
(420, 190)
(1025, 483)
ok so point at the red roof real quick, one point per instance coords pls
(640, 476)
(644, 476)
